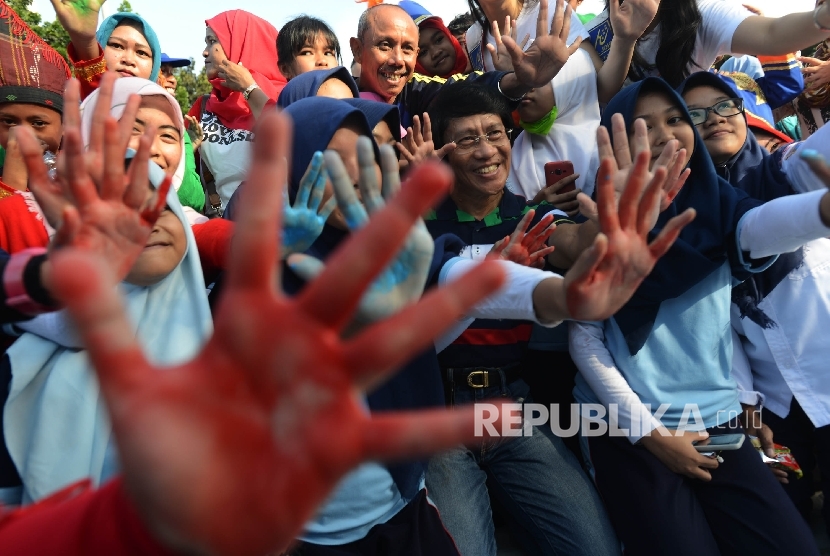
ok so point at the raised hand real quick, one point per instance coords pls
(195, 132)
(523, 247)
(103, 212)
(232, 452)
(499, 53)
(14, 167)
(607, 274)
(670, 158)
(235, 76)
(630, 19)
(80, 19)
(418, 145)
(403, 281)
(540, 63)
(304, 220)
(51, 195)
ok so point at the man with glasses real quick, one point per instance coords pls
(536, 478)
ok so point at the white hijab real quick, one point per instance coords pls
(573, 136)
(56, 427)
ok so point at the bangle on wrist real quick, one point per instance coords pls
(17, 296)
(818, 25)
(247, 92)
(498, 85)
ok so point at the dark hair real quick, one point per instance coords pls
(679, 23)
(299, 33)
(461, 23)
(478, 17)
(462, 99)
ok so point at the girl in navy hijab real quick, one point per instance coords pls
(390, 498)
(661, 366)
(334, 83)
(779, 316)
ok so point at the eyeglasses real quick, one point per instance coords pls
(470, 142)
(726, 108)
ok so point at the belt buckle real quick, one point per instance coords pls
(485, 381)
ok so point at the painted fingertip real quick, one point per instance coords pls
(811, 154)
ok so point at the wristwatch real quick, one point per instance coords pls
(247, 92)
(16, 295)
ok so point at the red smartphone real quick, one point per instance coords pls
(555, 171)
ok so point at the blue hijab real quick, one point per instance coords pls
(109, 24)
(418, 384)
(377, 112)
(307, 84)
(758, 173)
(703, 246)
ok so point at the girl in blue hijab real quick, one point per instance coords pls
(373, 494)
(779, 316)
(120, 19)
(661, 366)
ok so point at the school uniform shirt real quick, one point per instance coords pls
(789, 358)
(487, 342)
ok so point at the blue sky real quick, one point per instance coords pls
(180, 23)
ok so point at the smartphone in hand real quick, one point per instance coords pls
(719, 442)
(555, 171)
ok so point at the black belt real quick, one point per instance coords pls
(482, 377)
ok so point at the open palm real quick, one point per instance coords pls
(630, 19)
(539, 64)
(96, 205)
(78, 16)
(232, 452)
(606, 275)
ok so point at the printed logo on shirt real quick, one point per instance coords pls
(218, 134)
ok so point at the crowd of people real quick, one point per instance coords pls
(269, 325)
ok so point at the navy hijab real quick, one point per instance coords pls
(703, 246)
(758, 173)
(418, 384)
(307, 84)
(377, 112)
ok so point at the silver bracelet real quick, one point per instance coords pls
(498, 86)
(818, 25)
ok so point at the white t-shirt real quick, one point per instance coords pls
(227, 154)
(720, 19)
(572, 137)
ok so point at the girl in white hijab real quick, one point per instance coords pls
(55, 422)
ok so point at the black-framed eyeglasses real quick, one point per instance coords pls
(470, 142)
(726, 108)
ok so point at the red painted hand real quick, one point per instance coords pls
(606, 275)
(523, 247)
(232, 452)
(95, 204)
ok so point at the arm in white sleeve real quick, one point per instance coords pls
(742, 373)
(596, 364)
(514, 300)
(782, 225)
(799, 174)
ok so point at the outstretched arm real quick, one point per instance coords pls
(80, 20)
(771, 36)
(232, 452)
